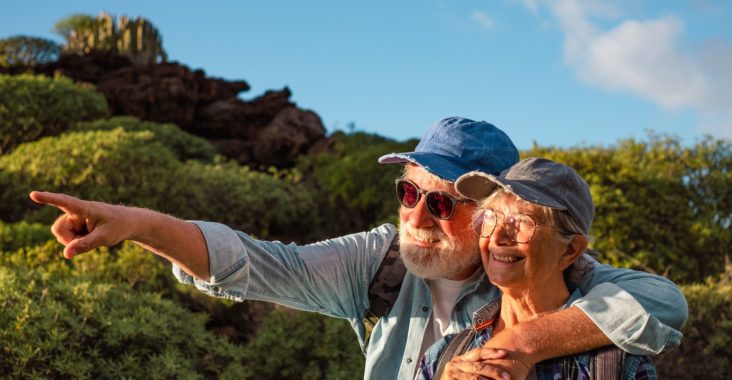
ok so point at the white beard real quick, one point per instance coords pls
(448, 260)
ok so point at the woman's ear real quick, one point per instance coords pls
(575, 249)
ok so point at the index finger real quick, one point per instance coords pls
(482, 353)
(66, 203)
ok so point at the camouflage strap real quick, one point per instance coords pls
(384, 288)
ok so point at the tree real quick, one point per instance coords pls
(660, 206)
(27, 51)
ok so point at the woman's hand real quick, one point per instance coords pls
(487, 363)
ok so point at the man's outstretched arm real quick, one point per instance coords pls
(87, 225)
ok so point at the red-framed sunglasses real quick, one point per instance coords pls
(441, 205)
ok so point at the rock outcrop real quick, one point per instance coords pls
(267, 131)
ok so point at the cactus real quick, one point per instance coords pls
(135, 38)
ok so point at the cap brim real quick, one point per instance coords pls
(435, 164)
(478, 185)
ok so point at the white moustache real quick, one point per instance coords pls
(422, 234)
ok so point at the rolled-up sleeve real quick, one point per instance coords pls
(330, 277)
(640, 312)
(228, 263)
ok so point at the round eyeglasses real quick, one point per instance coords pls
(519, 228)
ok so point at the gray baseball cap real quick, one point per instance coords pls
(455, 145)
(539, 181)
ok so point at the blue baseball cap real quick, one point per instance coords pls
(455, 146)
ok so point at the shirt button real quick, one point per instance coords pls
(425, 308)
(216, 289)
(409, 360)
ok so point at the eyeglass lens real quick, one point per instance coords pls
(517, 227)
(439, 205)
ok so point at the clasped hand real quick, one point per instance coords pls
(487, 363)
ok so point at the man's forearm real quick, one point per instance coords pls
(563, 333)
(177, 240)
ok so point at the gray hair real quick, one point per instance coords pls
(566, 226)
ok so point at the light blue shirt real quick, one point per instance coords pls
(639, 312)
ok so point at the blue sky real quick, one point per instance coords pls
(564, 73)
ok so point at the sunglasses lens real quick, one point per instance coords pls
(407, 193)
(439, 205)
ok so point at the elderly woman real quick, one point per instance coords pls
(534, 223)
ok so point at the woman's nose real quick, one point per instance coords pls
(500, 234)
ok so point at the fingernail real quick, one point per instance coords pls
(506, 376)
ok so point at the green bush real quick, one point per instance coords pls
(355, 191)
(269, 205)
(23, 234)
(133, 168)
(660, 206)
(299, 345)
(35, 106)
(70, 327)
(113, 166)
(706, 349)
(127, 264)
(185, 145)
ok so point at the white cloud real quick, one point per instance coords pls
(532, 5)
(651, 59)
(483, 19)
(641, 58)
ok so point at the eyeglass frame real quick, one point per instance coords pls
(420, 192)
(478, 227)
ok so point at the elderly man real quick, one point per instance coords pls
(443, 285)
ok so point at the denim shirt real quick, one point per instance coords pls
(576, 366)
(332, 277)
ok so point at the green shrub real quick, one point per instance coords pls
(706, 349)
(133, 168)
(299, 345)
(35, 106)
(185, 145)
(11, 209)
(23, 234)
(126, 264)
(269, 205)
(113, 166)
(355, 191)
(70, 327)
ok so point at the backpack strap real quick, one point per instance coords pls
(384, 288)
(607, 363)
(457, 346)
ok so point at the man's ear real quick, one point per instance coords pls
(575, 249)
